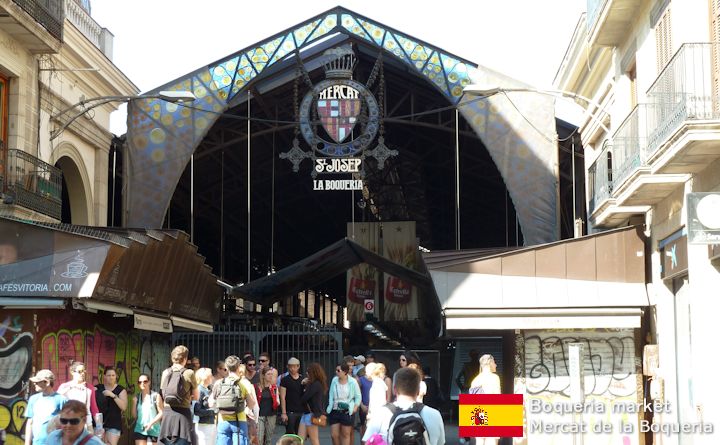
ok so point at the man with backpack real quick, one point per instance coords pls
(178, 389)
(230, 398)
(406, 422)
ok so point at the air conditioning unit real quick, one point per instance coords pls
(703, 218)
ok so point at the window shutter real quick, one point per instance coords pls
(663, 40)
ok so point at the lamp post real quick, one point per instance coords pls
(86, 105)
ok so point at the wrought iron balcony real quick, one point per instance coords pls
(663, 140)
(48, 13)
(600, 177)
(683, 92)
(32, 183)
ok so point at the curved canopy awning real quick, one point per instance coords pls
(518, 129)
(323, 265)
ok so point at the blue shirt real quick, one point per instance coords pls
(55, 438)
(41, 409)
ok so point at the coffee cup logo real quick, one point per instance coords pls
(76, 269)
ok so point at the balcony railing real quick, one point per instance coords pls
(683, 91)
(32, 183)
(628, 141)
(600, 177)
(99, 36)
(50, 14)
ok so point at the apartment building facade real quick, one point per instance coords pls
(53, 55)
(653, 70)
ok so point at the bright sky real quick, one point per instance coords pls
(157, 41)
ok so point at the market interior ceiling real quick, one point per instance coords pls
(290, 220)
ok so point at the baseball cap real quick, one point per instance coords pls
(43, 374)
(293, 361)
(360, 358)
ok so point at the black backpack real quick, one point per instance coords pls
(406, 426)
(229, 395)
(174, 387)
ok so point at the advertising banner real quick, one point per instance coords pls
(400, 246)
(362, 279)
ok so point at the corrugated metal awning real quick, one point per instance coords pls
(153, 270)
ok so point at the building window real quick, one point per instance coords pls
(663, 40)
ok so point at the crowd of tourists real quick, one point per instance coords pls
(242, 401)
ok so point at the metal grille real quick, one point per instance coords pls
(304, 340)
(33, 183)
(48, 13)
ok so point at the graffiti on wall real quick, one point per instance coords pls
(609, 364)
(610, 376)
(16, 345)
(130, 353)
(61, 338)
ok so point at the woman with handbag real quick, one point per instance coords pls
(345, 399)
(147, 409)
(315, 389)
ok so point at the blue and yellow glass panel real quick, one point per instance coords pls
(433, 70)
(457, 73)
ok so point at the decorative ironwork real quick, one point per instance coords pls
(50, 14)
(33, 184)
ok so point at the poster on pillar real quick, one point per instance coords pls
(400, 246)
(362, 279)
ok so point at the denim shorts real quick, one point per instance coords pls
(306, 419)
(113, 431)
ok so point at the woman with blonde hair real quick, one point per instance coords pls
(205, 426)
(269, 401)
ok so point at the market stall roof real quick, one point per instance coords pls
(321, 266)
(154, 271)
(593, 281)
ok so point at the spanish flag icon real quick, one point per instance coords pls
(490, 415)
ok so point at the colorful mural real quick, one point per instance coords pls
(16, 346)
(57, 339)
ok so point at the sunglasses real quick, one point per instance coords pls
(79, 371)
(71, 421)
(338, 370)
(140, 382)
(250, 364)
(264, 361)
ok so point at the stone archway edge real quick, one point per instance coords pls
(162, 136)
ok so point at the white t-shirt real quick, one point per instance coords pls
(380, 422)
(378, 395)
